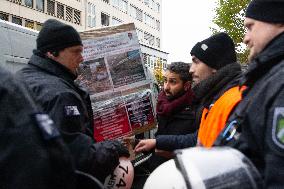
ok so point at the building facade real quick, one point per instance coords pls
(91, 14)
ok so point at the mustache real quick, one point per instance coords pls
(168, 92)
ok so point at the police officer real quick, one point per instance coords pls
(32, 152)
(261, 113)
(50, 76)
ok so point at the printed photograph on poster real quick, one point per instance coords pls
(93, 75)
(126, 68)
(110, 120)
(140, 111)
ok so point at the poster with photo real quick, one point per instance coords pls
(123, 116)
(126, 68)
(93, 75)
(114, 74)
(110, 120)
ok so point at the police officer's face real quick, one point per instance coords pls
(71, 57)
(200, 70)
(259, 34)
(173, 85)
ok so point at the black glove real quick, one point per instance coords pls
(104, 160)
(121, 149)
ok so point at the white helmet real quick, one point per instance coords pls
(201, 168)
(122, 177)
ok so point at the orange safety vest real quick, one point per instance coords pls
(214, 120)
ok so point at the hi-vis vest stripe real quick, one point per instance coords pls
(214, 120)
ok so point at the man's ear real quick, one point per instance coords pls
(49, 55)
(187, 85)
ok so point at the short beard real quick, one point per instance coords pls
(179, 94)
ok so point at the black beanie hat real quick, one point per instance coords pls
(55, 36)
(216, 51)
(271, 11)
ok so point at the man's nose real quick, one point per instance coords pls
(81, 58)
(166, 86)
(246, 39)
(191, 70)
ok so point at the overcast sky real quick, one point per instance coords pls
(185, 22)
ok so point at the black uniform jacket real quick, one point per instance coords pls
(53, 88)
(262, 113)
(32, 152)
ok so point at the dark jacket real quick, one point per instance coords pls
(53, 88)
(178, 121)
(261, 113)
(206, 93)
(32, 152)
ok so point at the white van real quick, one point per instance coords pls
(16, 45)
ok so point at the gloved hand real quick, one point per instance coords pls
(121, 149)
(105, 159)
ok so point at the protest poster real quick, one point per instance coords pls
(114, 74)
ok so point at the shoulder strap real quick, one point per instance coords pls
(232, 129)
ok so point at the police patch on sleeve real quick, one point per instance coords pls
(278, 127)
(71, 111)
(46, 126)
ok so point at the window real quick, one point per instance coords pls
(121, 5)
(146, 2)
(29, 24)
(158, 42)
(116, 21)
(38, 26)
(91, 15)
(139, 15)
(28, 3)
(149, 20)
(165, 63)
(124, 6)
(51, 7)
(89, 21)
(151, 62)
(69, 14)
(104, 19)
(139, 34)
(136, 13)
(4, 16)
(158, 7)
(16, 1)
(158, 25)
(77, 17)
(115, 3)
(40, 5)
(132, 11)
(149, 39)
(60, 11)
(89, 8)
(16, 20)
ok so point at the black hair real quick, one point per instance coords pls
(182, 69)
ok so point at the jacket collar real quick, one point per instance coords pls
(216, 84)
(52, 67)
(271, 55)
